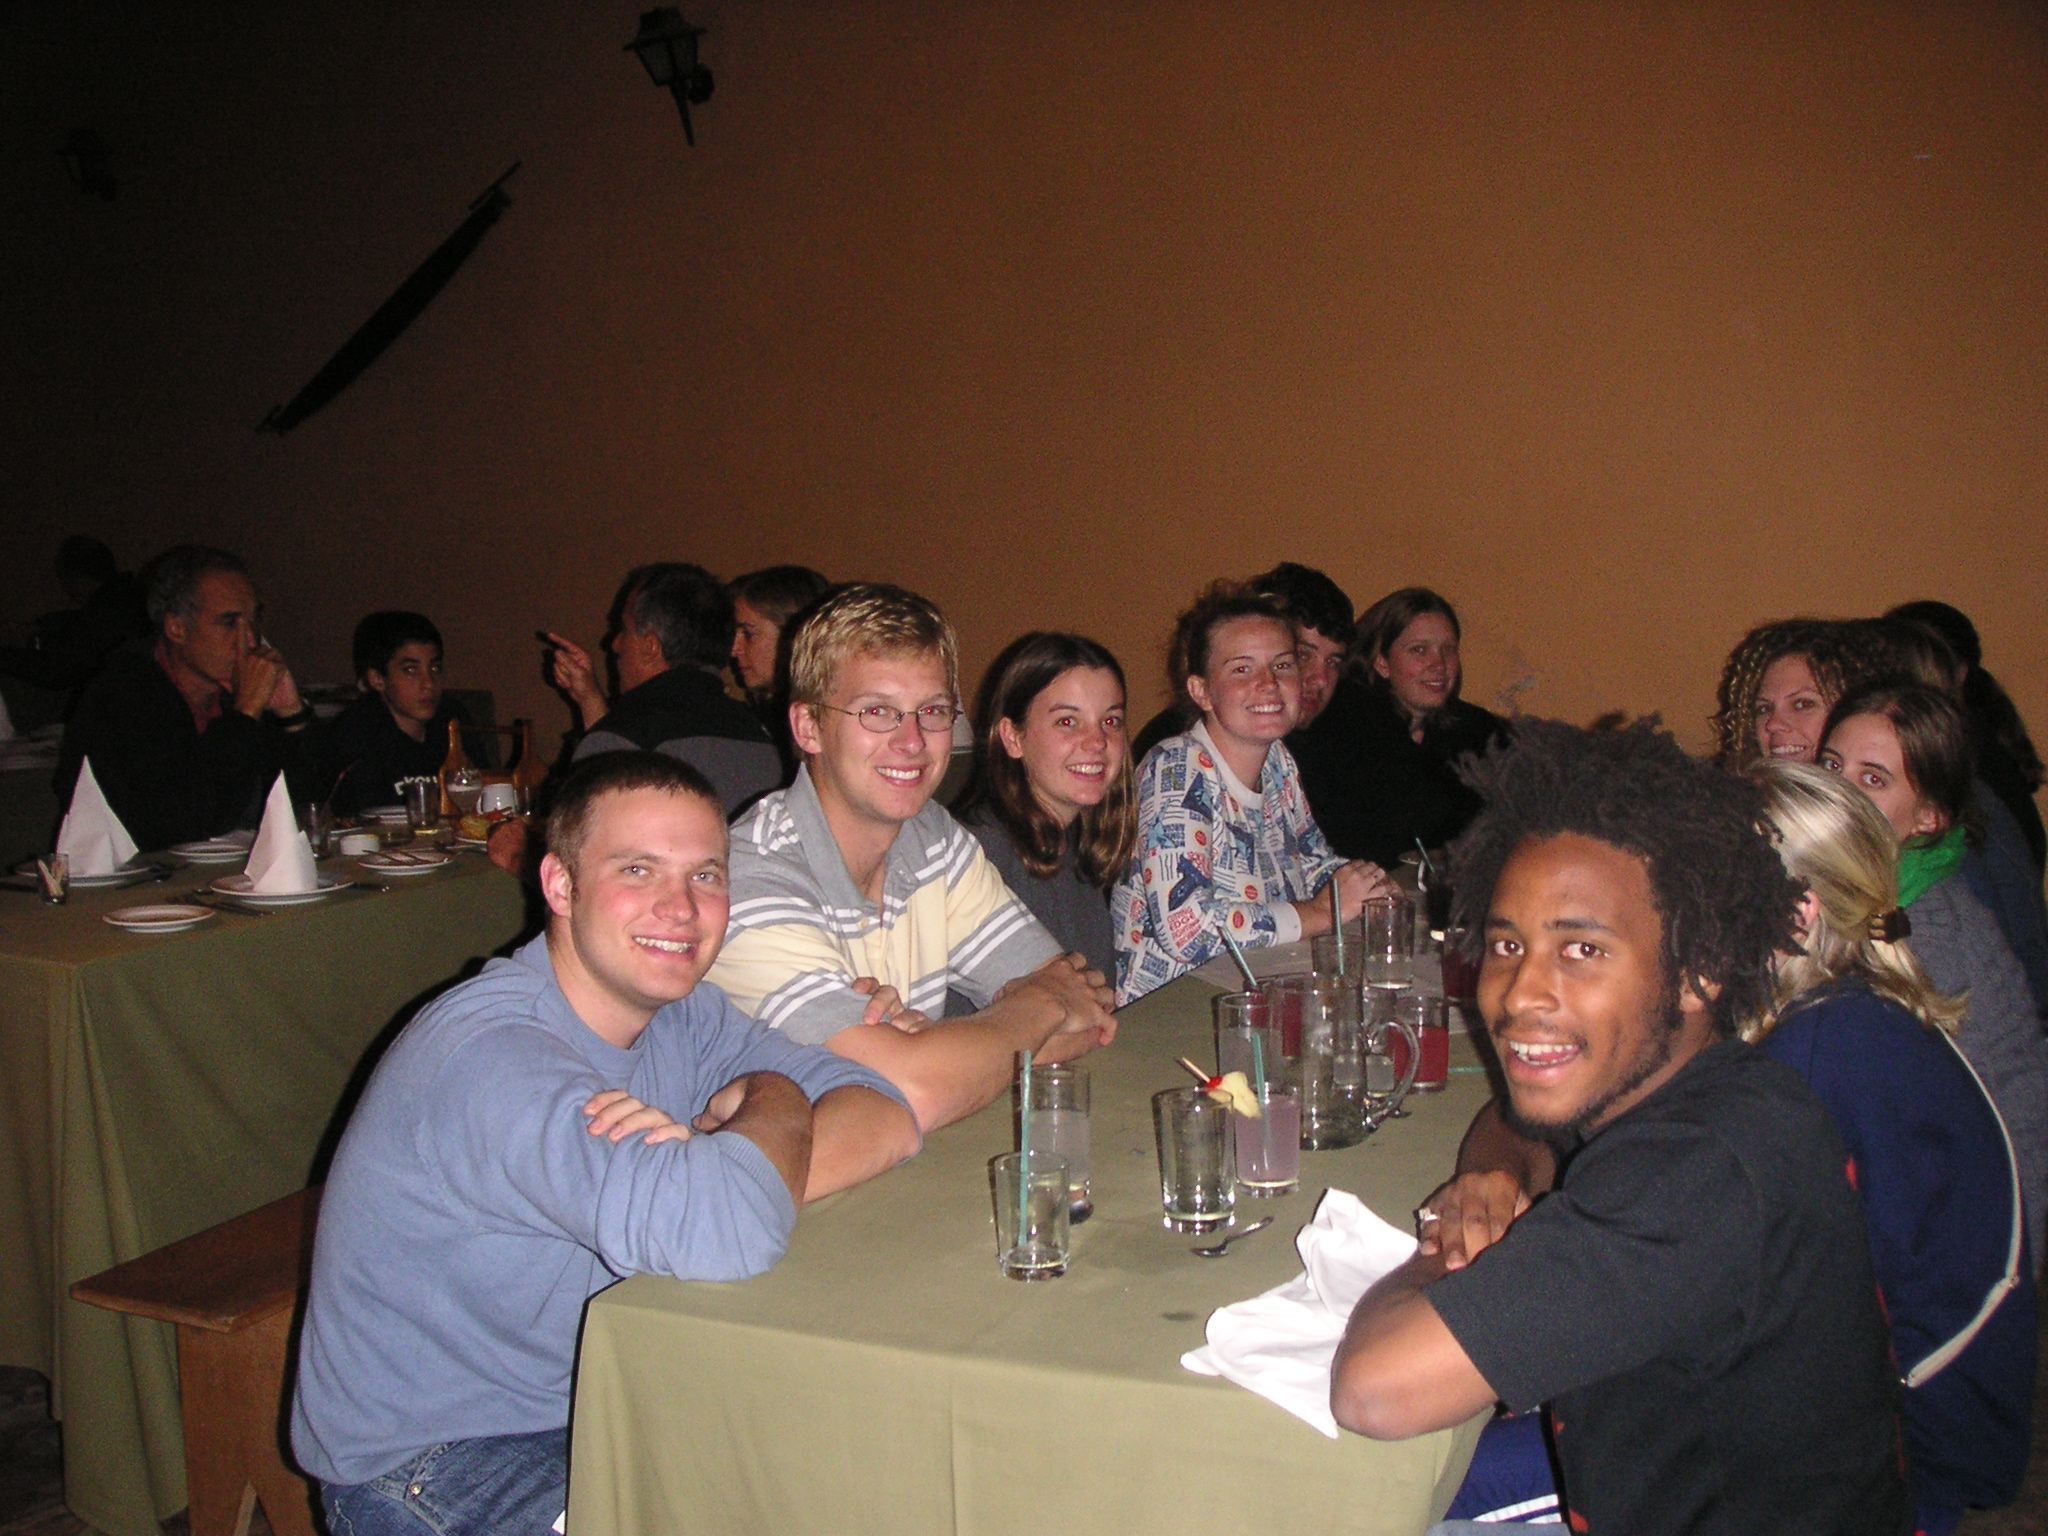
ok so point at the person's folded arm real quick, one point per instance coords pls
(1400, 1371)
(857, 1133)
(956, 1067)
(1500, 1173)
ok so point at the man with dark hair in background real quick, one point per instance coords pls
(1690, 1295)
(188, 728)
(69, 646)
(1322, 616)
(398, 729)
(672, 632)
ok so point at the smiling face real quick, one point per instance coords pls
(1790, 711)
(1322, 662)
(1421, 666)
(754, 639)
(1072, 742)
(878, 778)
(639, 919)
(1573, 989)
(1251, 693)
(410, 683)
(212, 639)
(1864, 749)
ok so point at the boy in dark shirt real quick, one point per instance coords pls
(398, 729)
(1694, 1304)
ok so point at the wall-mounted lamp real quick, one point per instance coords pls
(89, 163)
(667, 45)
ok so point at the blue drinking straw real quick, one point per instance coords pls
(1024, 1147)
(1426, 864)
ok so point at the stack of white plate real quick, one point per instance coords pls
(228, 848)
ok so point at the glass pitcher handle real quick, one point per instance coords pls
(1383, 1105)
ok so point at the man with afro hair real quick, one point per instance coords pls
(1656, 1235)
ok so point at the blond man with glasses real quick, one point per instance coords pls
(857, 901)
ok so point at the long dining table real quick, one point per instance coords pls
(151, 1087)
(886, 1378)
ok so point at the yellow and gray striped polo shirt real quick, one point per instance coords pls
(801, 932)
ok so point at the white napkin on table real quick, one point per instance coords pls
(280, 860)
(1280, 1344)
(92, 835)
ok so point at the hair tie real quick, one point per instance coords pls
(1891, 926)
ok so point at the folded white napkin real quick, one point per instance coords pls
(92, 835)
(280, 860)
(1280, 1344)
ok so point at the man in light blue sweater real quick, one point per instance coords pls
(580, 1112)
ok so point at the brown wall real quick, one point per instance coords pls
(1627, 326)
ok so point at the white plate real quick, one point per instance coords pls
(216, 850)
(163, 917)
(402, 863)
(237, 886)
(127, 874)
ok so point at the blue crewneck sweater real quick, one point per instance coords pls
(469, 1214)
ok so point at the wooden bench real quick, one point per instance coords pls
(233, 1291)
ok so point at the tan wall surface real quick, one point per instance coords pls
(1624, 325)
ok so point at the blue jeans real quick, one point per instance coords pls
(499, 1485)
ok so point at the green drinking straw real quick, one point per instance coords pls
(1259, 1092)
(1024, 1148)
(1244, 966)
(1337, 924)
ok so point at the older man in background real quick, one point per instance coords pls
(187, 729)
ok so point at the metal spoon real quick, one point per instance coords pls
(1215, 1250)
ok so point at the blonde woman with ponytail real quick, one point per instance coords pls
(1856, 1016)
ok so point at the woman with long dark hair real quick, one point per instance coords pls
(1050, 798)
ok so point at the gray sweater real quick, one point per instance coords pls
(1956, 940)
(470, 1214)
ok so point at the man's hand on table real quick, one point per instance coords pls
(771, 1112)
(616, 1114)
(1469, 1215)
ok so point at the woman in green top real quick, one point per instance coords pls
(1909, 750)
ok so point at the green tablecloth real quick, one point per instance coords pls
(151, 1087)
(886, 1378)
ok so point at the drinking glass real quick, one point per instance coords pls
(1389, 943)
(1461, 975)
(317, 822)
(1059, 1125)
(1197, 1172)
(53, 874)
(1424, 1012)
(1032, 1234)
(1269, 1148)
(465, 788)
(422, 803)
(1323, 957)
(1241, 1018)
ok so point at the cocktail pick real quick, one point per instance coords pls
(1230, 1088)
(1244, 966)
